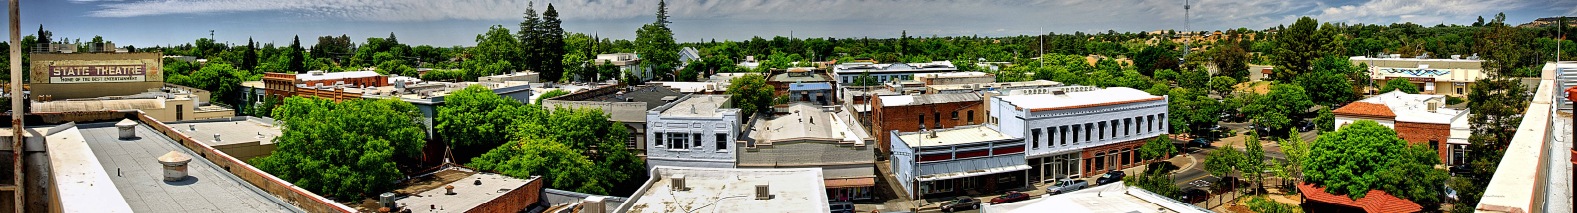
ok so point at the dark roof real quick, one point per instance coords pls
(652, 95)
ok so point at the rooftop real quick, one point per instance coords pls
(140, 178)
(1375, 201)
(1107, 198)
(954, 75)
(230, 132)
(804, 121)
(953, 136)
(731, 190)
(1365, 109)
(1415, 107)
(467, 194)
(924, 99)
(698, 106)
(319, 75)
(1099, 97)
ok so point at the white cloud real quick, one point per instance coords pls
(1426, 11)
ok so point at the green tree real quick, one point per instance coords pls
(751, 93)
(1223, 161)
(1365, 156)
(572, 148)
(494, 47)
(346, 149)
(1297, 47)
(1232, 62)
(221, 80)
(1328, 82)
(249, 56)
(1252, 162)
(1497, 106)
(1276, 110)
(551, 45)
(656, 44)
(1399, 84)
(298, 62)
(1157, 148)
(1325, 120)
(475, 118)
(1223, 85)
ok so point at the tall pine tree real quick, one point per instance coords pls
(298, 61)
(656, 45)
(530, 45)
(249, 56)
(552, 45)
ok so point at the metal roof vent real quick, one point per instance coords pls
(193, 127)
(386, 200)
(762, 193)
(216, 137)
(478, 182)
(449, 190)
(678, 182)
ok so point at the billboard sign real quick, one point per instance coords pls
(97, 73)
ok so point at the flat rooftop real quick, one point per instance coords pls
(953, 136)
(140, 177)
(804, 122)
(698, 106)
(1414, 107)
(230, 132)
(1108, 198)
(924, 99)
(732, 190)
(1110, 95)
(467, 195)
(319, 75)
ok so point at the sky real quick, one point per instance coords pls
(447, 23)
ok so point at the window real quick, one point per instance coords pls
(937, 120)
(955, 115)
(1089, 129)
(1150, 125)
(1101, 134)
(1127, 126)
(696, 138)
(971, 117)
(922, 120)
(1126, 153)
(1163, 122)
(1064, 134)
(1075, 134)
(677, 141)
(1114, 128)
(1051, 136)
(659, 141)
(722, 142)
(1459, 90)
(1035, 138)
(1100, 160)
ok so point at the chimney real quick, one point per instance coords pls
(174, 165)
(678, 182)
(449, 190)
(762, 193)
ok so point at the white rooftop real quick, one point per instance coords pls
(952, 74)
(1099, 96)
(731, 190)
(317, 75)
(698, 106)
(954, 136)
(1415, 107)
(1108, 198)
(468, 195)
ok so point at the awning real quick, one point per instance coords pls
(850, 182)
(973, 173)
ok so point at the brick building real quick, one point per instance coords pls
(911, 113)
(1419, 119)
(285, 85)
(1080, 132)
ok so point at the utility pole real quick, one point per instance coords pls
(16, 109)
(1042, 45)
(210, 35)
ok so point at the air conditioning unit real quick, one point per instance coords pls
(386, 200)
(593, 204)
(678, 182)
(762, 193)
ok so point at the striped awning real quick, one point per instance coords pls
(850, 182)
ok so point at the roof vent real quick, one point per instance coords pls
(216, 137)
(678, 182)
(931, 133)
(762, 193)
(193, 127)
(593, 204)
(478, 182)
(386, 200)
(449, 190)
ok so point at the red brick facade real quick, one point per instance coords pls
(514, 201)
(1114, 153)
(907, 118)
(1434, 135)
(282, 85)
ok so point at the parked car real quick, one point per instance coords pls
(1013, 196)
(1110, 177)
(1460, 170)
(1198, 142)
(1307, 126)
(1066, 185)
(961, 203)
(1195, 196)
(842, 207)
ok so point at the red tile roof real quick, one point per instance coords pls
(1365, 109)
(1375, 201)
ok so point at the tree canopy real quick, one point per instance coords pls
(1399, 84)
(346, 149)
(1365, 156)
(751, 93)
(474, 118)
(1279, 108)
(575, 149)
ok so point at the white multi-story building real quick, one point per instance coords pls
(694, 131)
(847, 72)
(1081, 133)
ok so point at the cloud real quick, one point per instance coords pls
(1427, 11)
